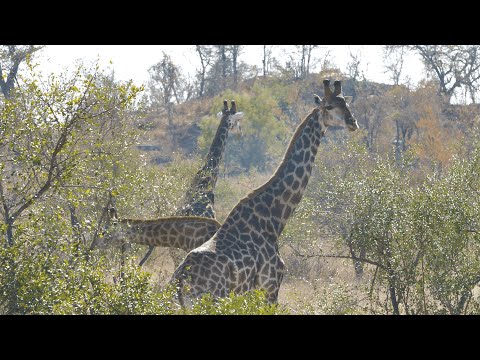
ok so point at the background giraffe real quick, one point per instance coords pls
(199, 199)
(243, 253)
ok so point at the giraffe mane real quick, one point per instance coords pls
(170, 219)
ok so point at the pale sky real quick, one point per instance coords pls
(133, 61)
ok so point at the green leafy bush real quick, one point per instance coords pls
(250, 303)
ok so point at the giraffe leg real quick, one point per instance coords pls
(272, 297)
(147, 255)
(270, 279)
(178, 280)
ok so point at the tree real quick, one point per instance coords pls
(300, 60)
(370, 113)
(167, 81)
(205, 54)
(103, 173)
(45, 129)
(221, 72)
(263, 135)
(366, 203)
(220, 68)
(418, 240)
(11, 56)
(354, 71)
(402, 108)
(222, 61)
(267, 59)
(447, 229)
(393, 59)
(167, 86)
(235, 51)
(453, 66)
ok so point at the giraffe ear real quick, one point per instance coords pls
(318, 101)
(348, 99)
(237, 116)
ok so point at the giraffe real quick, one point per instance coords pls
(199, 199)
(243, 254)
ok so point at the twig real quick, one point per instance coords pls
(308, 256)
(104, 212)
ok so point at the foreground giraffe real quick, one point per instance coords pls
(243, 253)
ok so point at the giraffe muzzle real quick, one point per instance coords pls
(352, 124)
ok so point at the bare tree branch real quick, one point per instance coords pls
(309, 256)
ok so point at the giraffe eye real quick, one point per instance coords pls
(329, 107)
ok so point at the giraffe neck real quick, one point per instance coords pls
(267, 209)
(199, 198)
(185, 233)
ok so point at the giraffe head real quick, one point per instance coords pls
(110, 233)
(232, 116)
(335, 108)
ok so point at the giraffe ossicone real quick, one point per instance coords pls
(243, 254)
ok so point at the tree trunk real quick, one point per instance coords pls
(235, 51)
(16, 55)
(75, 224)
(391, 283)
(123, 250)
(205, 60)
(357, 265)
(224, 67)
(11, 306)
(264, 61)
(309, 54)
(302, 63)
(10, 233)
(7, 86)
(202, 82)
(7, 218)
(393, 298)
(397, 143)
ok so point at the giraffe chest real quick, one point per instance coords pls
(249, 259)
